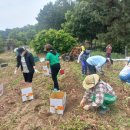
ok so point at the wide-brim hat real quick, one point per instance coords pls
(90, 81)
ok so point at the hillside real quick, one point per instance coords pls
(34, 115)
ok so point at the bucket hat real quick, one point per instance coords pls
(90, 81)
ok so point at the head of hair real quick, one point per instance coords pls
(48, 47)
(20, 50)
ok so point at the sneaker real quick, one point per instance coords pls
(103, 111)
(56, 90)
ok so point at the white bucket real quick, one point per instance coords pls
(46, 71)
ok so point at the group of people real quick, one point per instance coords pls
(98, 94)
(94, 63)
(25, 60)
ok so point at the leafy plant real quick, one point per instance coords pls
(60, 40)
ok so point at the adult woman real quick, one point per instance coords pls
(25, 60)
(52, 60)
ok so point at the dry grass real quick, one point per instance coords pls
(34, 115)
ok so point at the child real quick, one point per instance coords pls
(52, 60)
(82, 58)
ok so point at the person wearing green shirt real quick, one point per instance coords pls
(52, 59)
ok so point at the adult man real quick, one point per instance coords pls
(95, 63)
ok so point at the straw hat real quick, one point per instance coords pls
(90, 81)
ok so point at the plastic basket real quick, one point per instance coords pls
(108, 99)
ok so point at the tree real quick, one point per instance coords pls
(61, 41)
(22, 35)
(52, 15)
(115, 16)
(1, 43)
(81, 22)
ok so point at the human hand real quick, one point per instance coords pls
(77, 61)
(36, 71)
(82, 103)
(86, 107)
(15, 72)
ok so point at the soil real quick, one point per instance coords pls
(35, 115)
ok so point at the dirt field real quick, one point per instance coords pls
(34, 115)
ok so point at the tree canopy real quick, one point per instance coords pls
(60, 40)
(106, 20)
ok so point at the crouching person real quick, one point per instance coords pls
(98, 93)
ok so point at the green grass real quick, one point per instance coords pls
(113, 55)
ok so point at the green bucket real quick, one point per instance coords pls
(108, 99)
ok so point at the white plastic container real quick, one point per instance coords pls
(46, 71)
(57, 102)
(27, 94)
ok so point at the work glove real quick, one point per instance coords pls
(86, 107)
(77, 61)
(99, 70)
(36, 71)
(15, 72)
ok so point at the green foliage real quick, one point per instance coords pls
(82, 23)
(22, 36)
(52, 15)
(60, 40)
(1, 43)
(115, 16)
(113, 55)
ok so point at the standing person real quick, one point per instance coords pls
(25, 60)
(95, 64)
(108, 51)
(82, 58)
(98, 94)
(52, 60)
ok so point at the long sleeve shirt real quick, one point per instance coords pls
(99, 90)
(97, 61)
(80, 56)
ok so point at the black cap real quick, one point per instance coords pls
(20, 50)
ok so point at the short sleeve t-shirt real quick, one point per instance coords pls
(53, 59)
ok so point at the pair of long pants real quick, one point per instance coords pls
(54, 72)
(28, 77)
(84, 67)
(91, 68)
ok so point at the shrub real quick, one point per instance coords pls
(61, 41)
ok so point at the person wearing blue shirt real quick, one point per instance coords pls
(82, 58)
(95, 64)
(125, 73)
